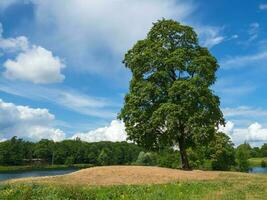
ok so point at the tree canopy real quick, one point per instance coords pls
(170, 101)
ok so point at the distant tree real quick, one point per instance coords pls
(242, 156)
(255, 152)
(146, 158)
(170, 101)
(264, 150)
(69, 161)
(222, 152)
(263, 163)
(168, 158)
(44, 149)
(104, 157)
(11, 151)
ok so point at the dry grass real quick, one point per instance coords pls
(189, 185)
(121, 175)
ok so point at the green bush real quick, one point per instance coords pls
(69, 161)
(146, 158)
(263, 163)
(242, 156)
(169, 159)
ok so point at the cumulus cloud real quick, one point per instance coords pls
(254, 134)
(13, 44)
(37, 65)
(114, 132)
(33, 63)
(26, 122)
(106, 29)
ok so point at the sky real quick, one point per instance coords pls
(61, 71)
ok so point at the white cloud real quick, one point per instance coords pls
(67, 98)
(254, 134)
(242, 61)
(263, 6)
(244, 111)
(228, 128)
(41, 132)
(114, 132)
(13, 44)
(37, 65)
(117, 24)
(91, 31)
(26, 122)
(210, 36)
(99, 32)
(33, 63)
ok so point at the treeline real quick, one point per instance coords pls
(219, 154)
(20, 152)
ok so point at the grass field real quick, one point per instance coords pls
(256, 162)
(184, 185)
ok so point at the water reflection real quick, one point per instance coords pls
(11, 175)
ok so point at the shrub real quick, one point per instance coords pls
(148, 159)
(263, 163)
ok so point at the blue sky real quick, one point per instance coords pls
(62, 76)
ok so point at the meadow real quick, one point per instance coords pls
(212, 185)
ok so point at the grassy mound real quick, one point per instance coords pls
(101, 183)
(120, 175)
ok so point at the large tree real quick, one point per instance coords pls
(170, 101)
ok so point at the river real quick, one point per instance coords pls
(258, 170)
(23, 174)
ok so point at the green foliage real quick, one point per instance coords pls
(242, 156)
(69, 161)
(168, 158)
(44, 150)
(13, 151)
(263, 163)
(264, 150)
(255, 152)
(68, 152)
(170, 101)
(196, 157)
(147, 158)
(104, 157)
(222, 152)
(218, 154)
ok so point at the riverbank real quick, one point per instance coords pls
(6, 169)
(257, 162)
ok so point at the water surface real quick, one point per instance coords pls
(258, 170)
(22, 174)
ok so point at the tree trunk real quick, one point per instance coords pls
(184, 158)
